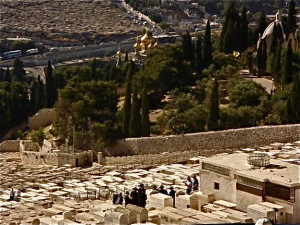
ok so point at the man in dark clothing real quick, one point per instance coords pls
(154, 190)
(127, 198)
(134, 197)
(118, 199)
(141, 188)
(189, 185)
(195, 183)
(162, 190)
(172, 193)
(142, 198)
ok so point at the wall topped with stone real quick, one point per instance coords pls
(41, 119)
(159, 159)
(10, 146)
(227, 139)
(57, 158)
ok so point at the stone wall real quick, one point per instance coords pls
(159, 159)
(41, 119)
(10, 146)
(227, 139)
(57, 159)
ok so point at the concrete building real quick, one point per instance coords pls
(235, 178)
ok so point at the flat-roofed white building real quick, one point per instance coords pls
(232, 178)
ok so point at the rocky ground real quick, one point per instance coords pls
(62, 19)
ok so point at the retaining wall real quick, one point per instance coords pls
(160, 159)
(41, 119)
(227, 139)
(10, 146)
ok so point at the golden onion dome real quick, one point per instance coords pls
(150, 46)
(147, 36)
(137, 45)
(119, 53)
(156, 44)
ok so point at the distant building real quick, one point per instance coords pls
(282, 32)
(232, 178)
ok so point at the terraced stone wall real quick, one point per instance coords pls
(218, 140)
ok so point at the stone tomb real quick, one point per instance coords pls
(160, 201)
(141, 213)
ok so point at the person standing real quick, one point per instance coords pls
(142, 198)
(189, 185)
(119, 200)
(154, 190)
(172, 193)
(127, 198)
(162, 190)
(134, 197)
(12, 194)
(195, 183)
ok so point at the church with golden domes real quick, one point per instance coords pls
(282, 32)
(144, 44)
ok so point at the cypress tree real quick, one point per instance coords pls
(262, 25)
(243, 35)
(93, 67)
(259, 57)
(287, 66)
(291, 19)
(127, 101)
(126, 56)
(188, 49)
(198, 60)
(40, 102)
(207, 46)
(214, 114)
(277, 64)
(292, 111)
(18, 71)
(50, 89)
(33, 96)
(7, 76)
(135, 119)
(229, 39)
(145, 111)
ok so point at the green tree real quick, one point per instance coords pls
(127, 101)
(213, 107)
(229, 37)
(18, 71)
(277, 64)
(287, 66)
(261, 58)
(261, 25)
(199, 57)
(145, 111)
(292, 110)
(291, 19)
(188, 48)
(244, 92)
(7, 75)
(126, 56)
(38, 136)
(50, 88)
(207, 47)
(135, 119)
(80, 105)
(243, 35)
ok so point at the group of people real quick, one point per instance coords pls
(14, 195)
(191, 184)
(138, 195)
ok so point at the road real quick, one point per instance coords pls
(67, 55)
(266, 83)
